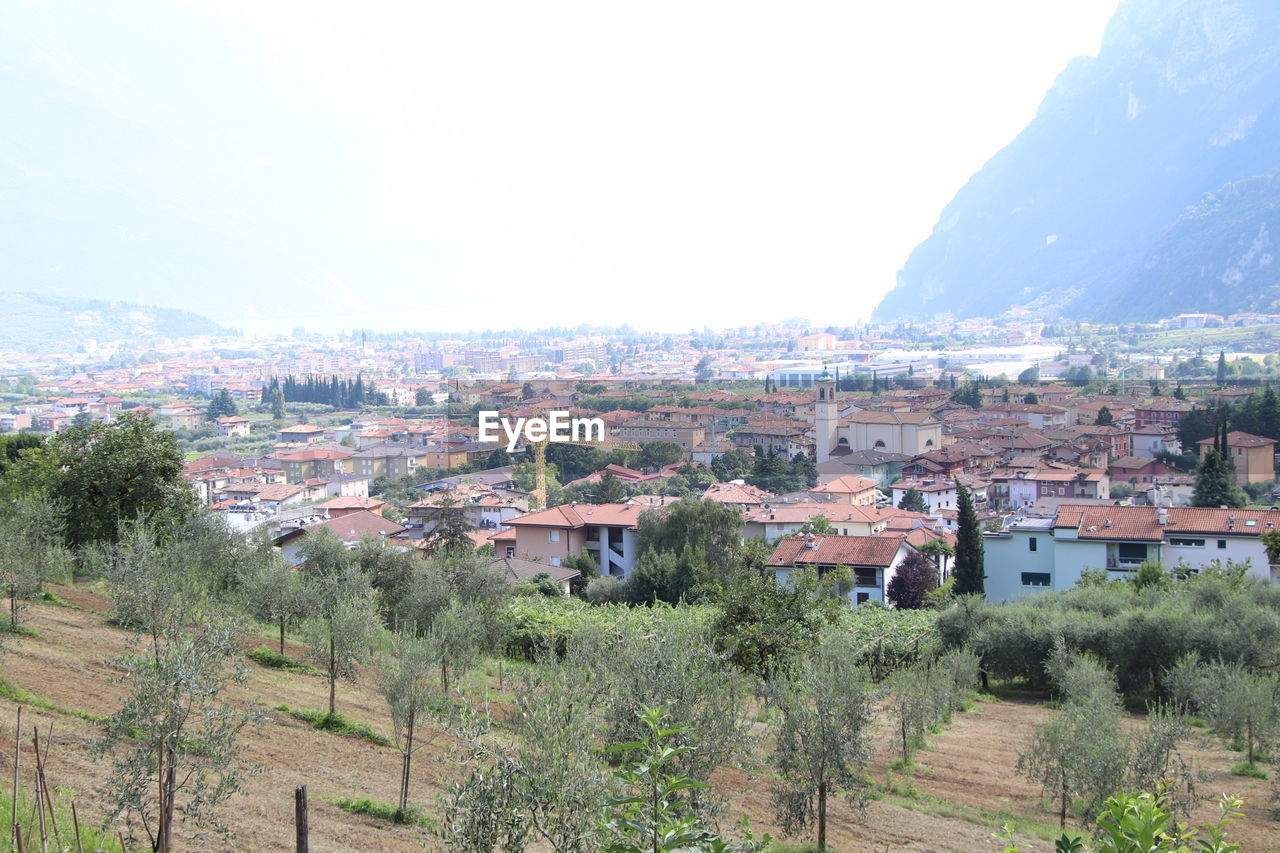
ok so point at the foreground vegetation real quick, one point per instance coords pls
(616, 710)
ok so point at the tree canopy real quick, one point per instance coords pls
(111, 473)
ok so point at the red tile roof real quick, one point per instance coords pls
(351, 502)
(876, 551)
(847, 485)
(580, 515)
(798, 513)
(1235, 438)
(1141, 523)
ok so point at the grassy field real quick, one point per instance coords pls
(961, 788)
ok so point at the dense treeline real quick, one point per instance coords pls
(1257, 414)
(333, 391)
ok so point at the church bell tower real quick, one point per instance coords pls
(826, 416)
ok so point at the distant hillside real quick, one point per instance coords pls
(1145, 185)
(36, 323)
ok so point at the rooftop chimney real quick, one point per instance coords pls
(1162, 516)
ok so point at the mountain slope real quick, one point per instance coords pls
(1089, 211)
(37, 323)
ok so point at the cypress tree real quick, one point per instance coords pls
(913, 501)
(969, 575)
(1222, 368)
(1269, 414)
(1216, 475)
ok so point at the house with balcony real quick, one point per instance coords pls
(872, 560)
(1032, 554)
(605, 531)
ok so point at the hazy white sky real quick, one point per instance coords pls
(670, 164)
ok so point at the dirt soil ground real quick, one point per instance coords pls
(970, 764)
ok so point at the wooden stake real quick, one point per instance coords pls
(120, 835)
(17, 758)
(300, 818)
(75, 821)
(44, 783)
(44, 832)
(17, 838)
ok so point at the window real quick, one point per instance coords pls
(866, 577)
(511, 550)
(554, 535)
(1222, 543)
(864, 596)
(1035, 578)
(1187, 543)
(1031, 544)
(1127, 553)
(555, 561)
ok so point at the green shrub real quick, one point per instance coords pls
(1139, 633)
(1248, 769)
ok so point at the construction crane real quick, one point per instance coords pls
(540, 460)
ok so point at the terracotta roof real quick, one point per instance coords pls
(580, 515)
(351, 527)
(919, 536)
(1141, 523)
(736, 493)
(1235, 438)
(1132, 462)
(847, 485)
(798, 513)
(275, 491)
(309, 455)
(517, 569)
(875, 417)
(352, 502)
(876, 551)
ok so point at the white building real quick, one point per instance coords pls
(1034, 554)
(873, 560)
(909, 433)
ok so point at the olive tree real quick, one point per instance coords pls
(1079, 757)
(822, 736)
(549, 783)
(175, 738)
(674, 665)
(342, 628)
(405, 677)
(32, 553)
(1240, 704)
(275, 592)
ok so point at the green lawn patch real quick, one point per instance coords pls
(266, 657)
(335, 723)
(14, 693)
(412, 816)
